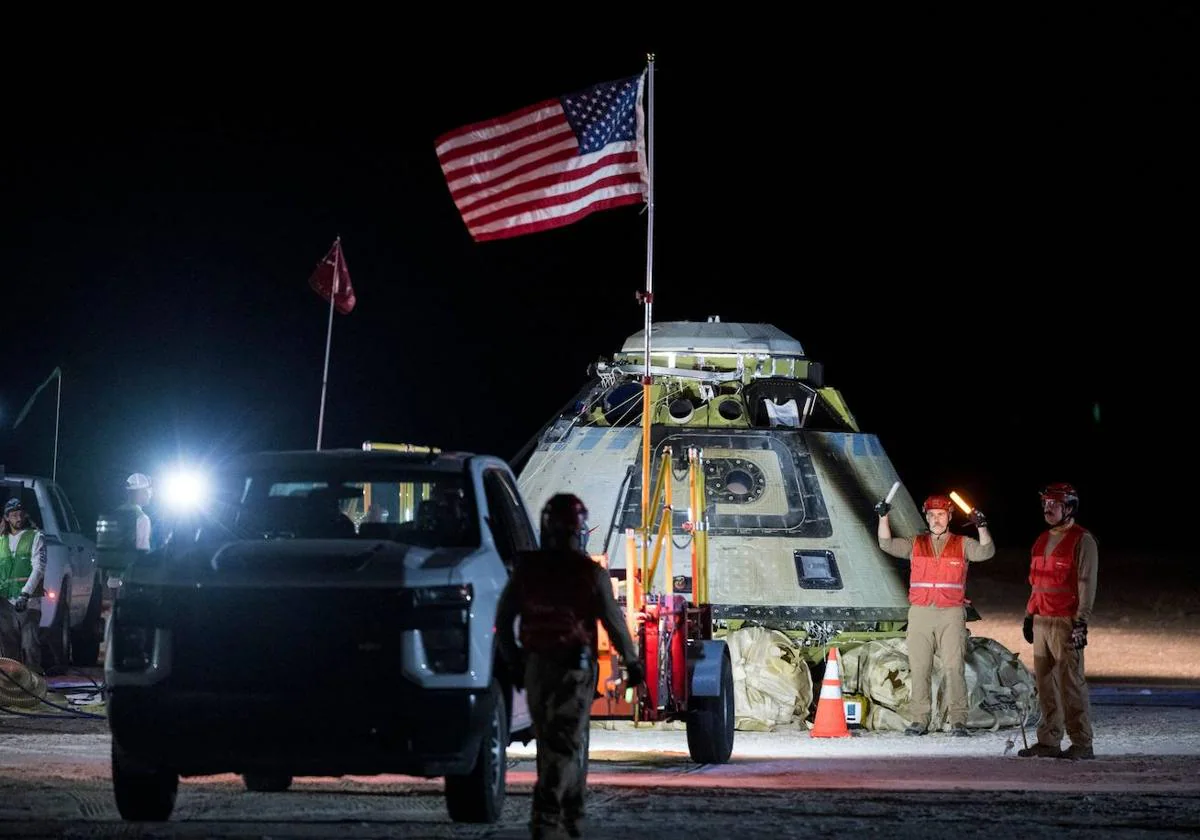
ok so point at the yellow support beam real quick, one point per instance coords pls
(691, 518)
(662, 490)
(696, 514)
(669, 517)
(632, 607)
(663, 536)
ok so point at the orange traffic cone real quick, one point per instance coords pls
(831, 711)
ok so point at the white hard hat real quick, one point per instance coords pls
(137, 481)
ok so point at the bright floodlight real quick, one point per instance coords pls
(185, 490)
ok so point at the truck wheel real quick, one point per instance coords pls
(710, 722)
(56, 639)
(267, 782)
(478, 796)
(144, 793)
(85, 639)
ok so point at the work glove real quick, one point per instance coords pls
(1079, 635)
(1027, 629)
(635, 672)
(883, 508)
(977, 518)
(21, 603)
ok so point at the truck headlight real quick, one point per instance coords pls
(442, 614)
(446, 649)
(442, 596)
(136, 613)
(133, 647)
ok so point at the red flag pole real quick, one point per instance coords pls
(337, 259)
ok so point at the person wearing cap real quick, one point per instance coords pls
(937, 606)
(22, 569)
(1062, 577)
(137, 496)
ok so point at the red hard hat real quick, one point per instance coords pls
(1060, 492)
(938, 503)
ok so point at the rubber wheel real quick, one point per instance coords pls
(478, 796)
(56, 639)
(710, 722)
(267, 782)
(144, 793)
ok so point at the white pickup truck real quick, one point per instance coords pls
(71, 604)
(324, 613)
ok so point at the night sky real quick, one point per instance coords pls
(984, 229)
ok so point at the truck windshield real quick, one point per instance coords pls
(427, 508)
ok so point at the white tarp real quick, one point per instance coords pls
(771, 681)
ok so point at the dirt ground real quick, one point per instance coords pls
(1142, 784)
(1144, 626)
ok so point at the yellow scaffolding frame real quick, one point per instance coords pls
(698, 520)
(662, 490)
(654, 538)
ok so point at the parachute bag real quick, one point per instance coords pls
(771, 680)
(1001, 691)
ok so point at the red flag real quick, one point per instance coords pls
(548, 164)
(331, 274)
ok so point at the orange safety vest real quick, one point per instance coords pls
(1055, 576)
(938, 581)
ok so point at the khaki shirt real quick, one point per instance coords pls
(975, 552)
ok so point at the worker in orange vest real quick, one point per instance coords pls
(937, 606)
(1062, 574)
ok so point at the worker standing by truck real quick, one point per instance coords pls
(22, 570)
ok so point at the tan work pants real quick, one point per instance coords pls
(1062, 689)
(940, 630)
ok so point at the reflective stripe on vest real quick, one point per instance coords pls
(938, 581)
(1054, 579)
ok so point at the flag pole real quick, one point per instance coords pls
(57, 372)
(648, 301)
(57, 412)
(337, 258)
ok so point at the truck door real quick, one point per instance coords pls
(512, 533)
(81, 552)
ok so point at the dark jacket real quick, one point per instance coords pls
(559, 595)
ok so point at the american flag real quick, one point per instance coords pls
(548, 164)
